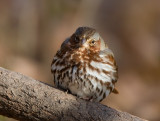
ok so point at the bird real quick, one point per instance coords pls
(85, 66)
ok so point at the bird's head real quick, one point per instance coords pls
(85, 38)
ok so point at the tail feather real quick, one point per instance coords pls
(115, 91)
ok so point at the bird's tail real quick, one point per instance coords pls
(115, 91)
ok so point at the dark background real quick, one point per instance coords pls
(31, 31)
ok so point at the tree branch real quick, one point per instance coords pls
(26, 99)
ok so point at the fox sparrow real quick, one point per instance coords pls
(85, 66)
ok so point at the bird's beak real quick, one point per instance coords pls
(83, 41)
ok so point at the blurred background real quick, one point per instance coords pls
(31, 31)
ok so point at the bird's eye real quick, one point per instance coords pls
(92, 43)
(76, 39)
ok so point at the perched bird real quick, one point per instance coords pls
(85, 66)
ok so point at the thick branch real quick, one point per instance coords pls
(26, 99)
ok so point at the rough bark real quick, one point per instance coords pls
(26, 99)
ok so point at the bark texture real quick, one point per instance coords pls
(26, 99)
